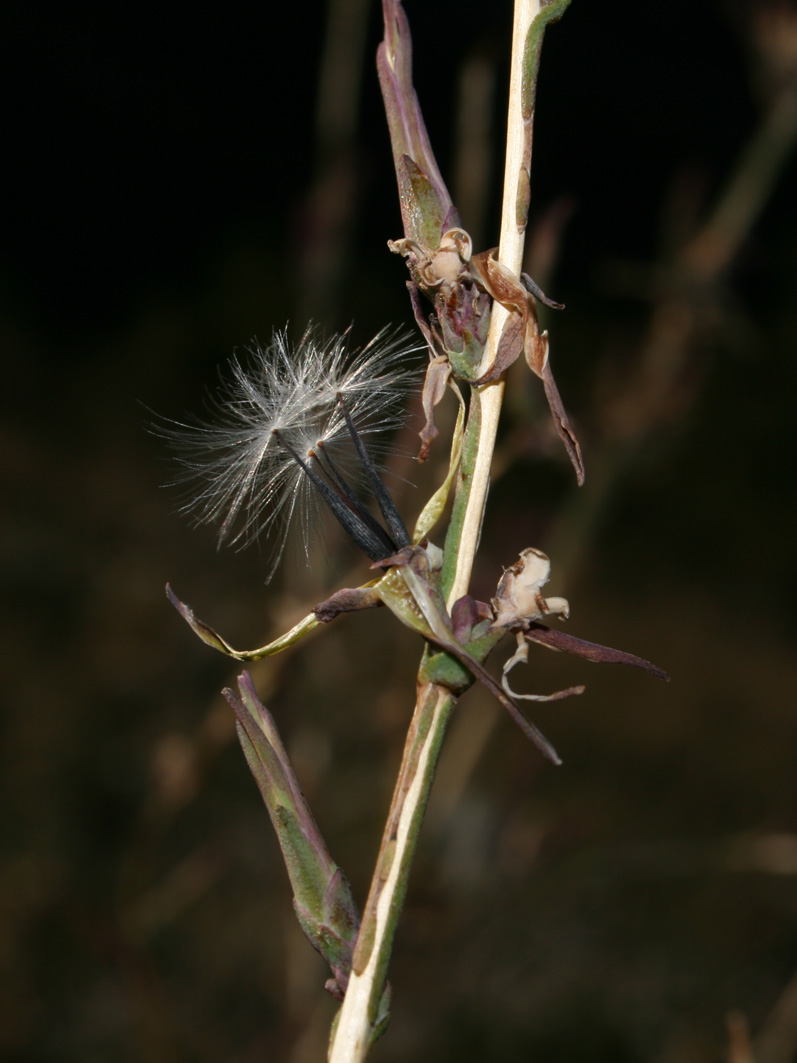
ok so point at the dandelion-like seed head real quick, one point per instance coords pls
(282, 401)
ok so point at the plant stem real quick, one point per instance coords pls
(510, 252)
(358, 1016)
(359, 1012)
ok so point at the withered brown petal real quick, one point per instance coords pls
(562, 423)
(536, 346)
(592, 651)
(420, 316)
(434, 388)
(509, 348)
(499, 281)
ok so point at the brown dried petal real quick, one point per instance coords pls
(509, 347)
(536, 346)
(500, 282)
(592, 651)
(562, 424)
(512, 293)
(434, 388)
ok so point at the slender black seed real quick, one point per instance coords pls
(354, 502)
(395, 525)
(372, 546)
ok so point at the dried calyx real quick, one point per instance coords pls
(519, 606)
(461, 285)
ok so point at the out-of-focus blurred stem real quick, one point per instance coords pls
(701, 263)
(748, 189)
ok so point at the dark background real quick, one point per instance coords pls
(170, 193)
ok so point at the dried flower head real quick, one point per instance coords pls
(283, 411)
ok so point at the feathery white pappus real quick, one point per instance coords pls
(242, 475)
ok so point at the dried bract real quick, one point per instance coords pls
(519, 606)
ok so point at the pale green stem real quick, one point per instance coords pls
(510, 252)
(359, 1013)
(356, 1022)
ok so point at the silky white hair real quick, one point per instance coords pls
(241, 475)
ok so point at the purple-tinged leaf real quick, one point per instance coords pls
(426, 207)
(346, 600)
(322, 899)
